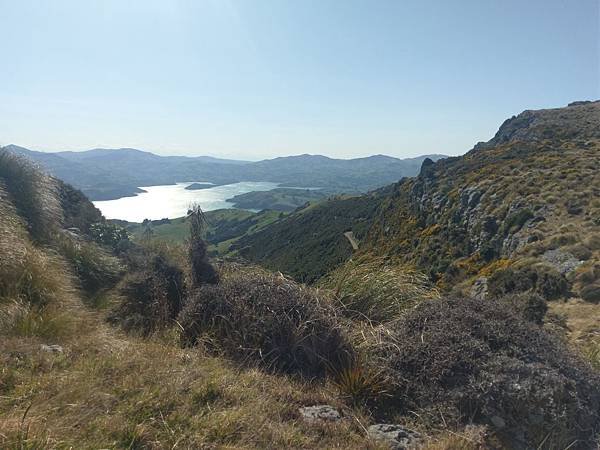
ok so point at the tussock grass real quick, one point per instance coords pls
(33, 193)
(471, 438)
(36, 277)
(93, 266)
(378, 289)
(23, 320)
(591, 352)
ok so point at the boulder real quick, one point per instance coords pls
(396, 436)
(317, 413)
(54, 348)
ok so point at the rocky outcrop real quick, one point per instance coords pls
(509, 198)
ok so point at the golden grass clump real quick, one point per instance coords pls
(33, 193)
(378, 289)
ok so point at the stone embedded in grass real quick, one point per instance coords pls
(54, 348)
(396, 436)
(316, 413)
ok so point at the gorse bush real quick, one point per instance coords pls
(32, 192)
(478, 360)
(266, 320)
(377, 289)
(531, 307)
(108, 235)
(540, 279)
(152, 298)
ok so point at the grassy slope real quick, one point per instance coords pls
(108, 390)
(111, 390)
(310, 242)
(225, 226)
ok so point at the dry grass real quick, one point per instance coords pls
(106, 391)
(471, 438)
(33, 193)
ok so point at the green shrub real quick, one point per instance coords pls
(531, 307)
(579, 251)
(108, 235)
(591, 293)
(537, 278)
(470, 360)
(515, 222)
(152, 298)
(266, 320)
(593, 241)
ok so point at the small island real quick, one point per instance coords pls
(198, 186)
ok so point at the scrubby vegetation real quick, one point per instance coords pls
(107, 342)
(540, 279)
(477, 360)
(267, 320)
(152, 296)
(530, 193)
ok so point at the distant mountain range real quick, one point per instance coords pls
(105, 174)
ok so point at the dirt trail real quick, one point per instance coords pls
(353, 242)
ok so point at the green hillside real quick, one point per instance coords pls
(224, 226)
(310, 242)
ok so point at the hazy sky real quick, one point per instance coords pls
(262, 78)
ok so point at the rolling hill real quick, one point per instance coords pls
(528, 197)
(104, 174)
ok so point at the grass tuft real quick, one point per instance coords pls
(377, 289)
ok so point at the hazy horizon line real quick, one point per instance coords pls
(231, 158)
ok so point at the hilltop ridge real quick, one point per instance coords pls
(105, 174)
(531, 191)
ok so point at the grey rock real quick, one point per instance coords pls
(396, 436)
(54, 348)
(479, 290)
(562, 261)
(316, 413)
(498, 422)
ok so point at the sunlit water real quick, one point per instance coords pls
(173, 201)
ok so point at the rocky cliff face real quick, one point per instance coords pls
(531, 195)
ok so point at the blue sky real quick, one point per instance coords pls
(263, 78)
